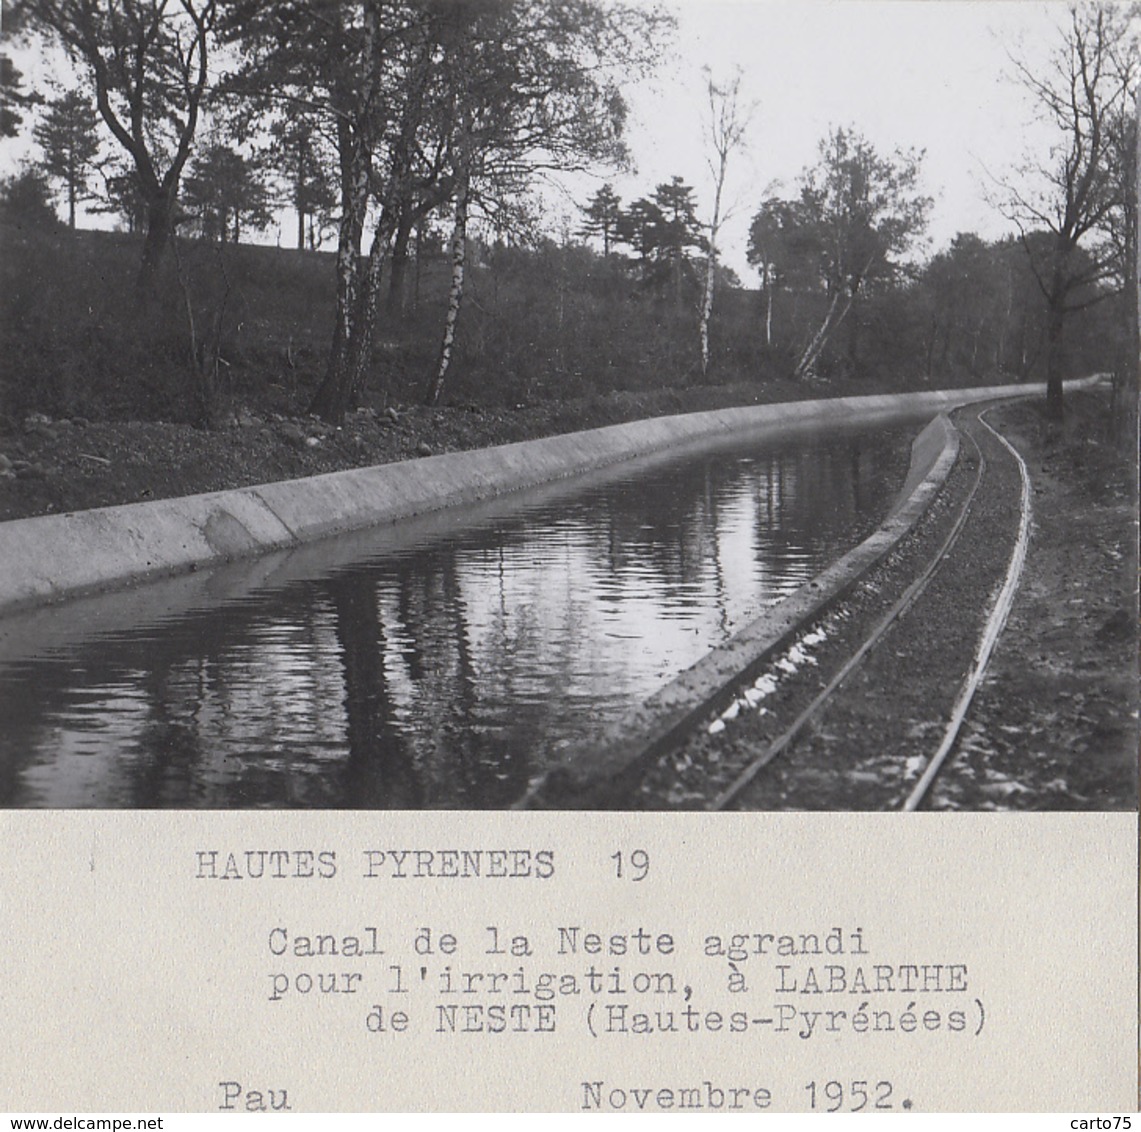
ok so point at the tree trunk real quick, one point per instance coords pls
(364, 324)
(301, 158)
(813, 350)
(711, 273)
(355, 160)
(160, 217)
(419, 261)
(1055, 328)
(332, 395)
(329, 400)
(707, 310)
(455, 297)
(338, 391)
(394, 304)
(831, 321)
(853, 338)
(768, 308)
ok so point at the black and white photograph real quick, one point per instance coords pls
(501, 499)
(830, 307)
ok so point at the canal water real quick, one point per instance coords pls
(435, 664)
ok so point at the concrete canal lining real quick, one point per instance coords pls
(52, 557)
(597, 774)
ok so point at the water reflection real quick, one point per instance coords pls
(450, 669)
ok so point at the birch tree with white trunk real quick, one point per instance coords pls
(725, 129)
(858, 213)
(538, 87)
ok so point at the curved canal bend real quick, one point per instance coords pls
(450, 661)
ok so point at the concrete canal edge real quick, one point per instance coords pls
(597, 774)
(52, 557)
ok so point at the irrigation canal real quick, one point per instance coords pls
(438, 663)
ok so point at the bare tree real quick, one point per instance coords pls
(725, 132)
(1079, 193)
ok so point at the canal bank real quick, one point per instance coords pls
(51, 557)
(438, 662)
(606, 767)
(1053, 724)
(479, 651)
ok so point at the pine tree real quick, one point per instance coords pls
(602, 216)
(67, 135)
(305, 167)
(679, 229)
(226, 192)
(13, 98)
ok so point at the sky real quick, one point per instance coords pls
(922, 74)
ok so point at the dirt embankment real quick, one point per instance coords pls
(1055, 724)
(51, 466)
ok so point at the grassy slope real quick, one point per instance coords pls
(558, 324)
(548, 343)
